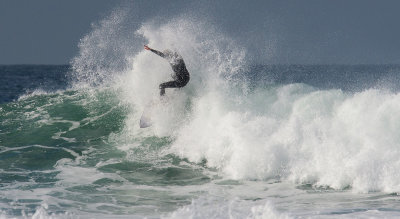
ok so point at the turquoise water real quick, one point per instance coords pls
(77, 152)
(64, 144)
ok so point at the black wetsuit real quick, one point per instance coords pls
(181, 77)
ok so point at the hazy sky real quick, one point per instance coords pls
(278, 31)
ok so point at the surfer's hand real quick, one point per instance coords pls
(146, 47)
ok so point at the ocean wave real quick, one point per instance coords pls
(296, 132)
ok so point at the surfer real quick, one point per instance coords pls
(181, 74)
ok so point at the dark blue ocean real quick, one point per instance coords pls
(17, 80)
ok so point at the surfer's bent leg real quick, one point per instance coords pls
(169, 84)
(182, 80)
(172, 84)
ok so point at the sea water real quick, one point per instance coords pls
(241, 140)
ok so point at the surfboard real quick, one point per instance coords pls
(145, 119)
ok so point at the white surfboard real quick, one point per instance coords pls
(145, 120)
(149, 111)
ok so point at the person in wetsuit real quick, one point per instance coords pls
(181, 74)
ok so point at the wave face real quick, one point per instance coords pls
(237, 141)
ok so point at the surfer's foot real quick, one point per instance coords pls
(162, 91)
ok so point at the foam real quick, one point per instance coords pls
(37, 92)
(211, 208)
(326, 138)
(206, 61)
(292, 132)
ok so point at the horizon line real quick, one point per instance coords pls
(65, 64)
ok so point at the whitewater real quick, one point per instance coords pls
(239, 141)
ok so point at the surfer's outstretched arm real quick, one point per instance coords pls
(155, 51)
